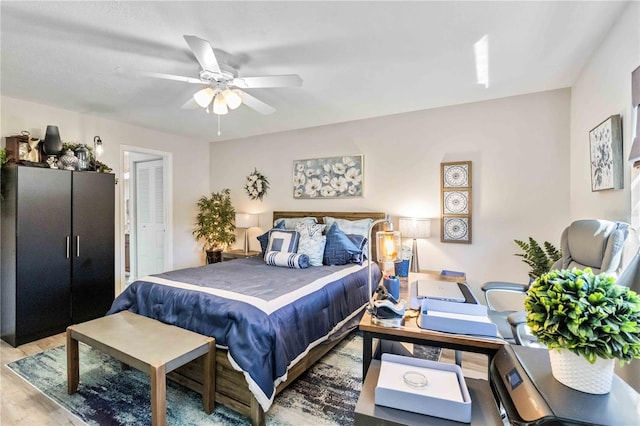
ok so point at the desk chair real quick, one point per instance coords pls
(602, 245)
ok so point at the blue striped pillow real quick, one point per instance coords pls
(290, 260)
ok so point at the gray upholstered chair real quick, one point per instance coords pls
(602, 245)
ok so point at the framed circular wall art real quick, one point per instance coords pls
(455, 198)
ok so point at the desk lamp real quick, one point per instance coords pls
(246, 221)
(415, 228)
(385, 310)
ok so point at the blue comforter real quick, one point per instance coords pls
(268, 317)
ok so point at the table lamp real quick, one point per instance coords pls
(415, 228)
(385, 311)
(246, 221)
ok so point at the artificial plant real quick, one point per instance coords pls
(538, 258)
(215, 222)
(588, 314)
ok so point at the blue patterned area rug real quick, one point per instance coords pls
(107, 395)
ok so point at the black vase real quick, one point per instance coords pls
(52, 143)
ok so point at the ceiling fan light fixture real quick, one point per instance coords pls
(233, 99)
(203, 97)
(219, 104)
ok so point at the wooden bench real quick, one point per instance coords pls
(147, 345)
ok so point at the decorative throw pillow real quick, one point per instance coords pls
(361, 243)
(339, 250)
(290, 260)
(264, 238)
(359, 227)
(283, 240)
(292, 222)
(312, 242)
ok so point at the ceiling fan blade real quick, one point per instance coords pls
(288, 80)
(203, 52)
(190, 104)
(172, 77)
(256, 104)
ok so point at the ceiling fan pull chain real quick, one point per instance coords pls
(218, 124)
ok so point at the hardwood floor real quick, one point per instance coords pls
(21, 404)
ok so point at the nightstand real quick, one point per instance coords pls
(238, 254)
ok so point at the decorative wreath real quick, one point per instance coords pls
(257, 185)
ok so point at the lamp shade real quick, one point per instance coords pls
(219, 104)
(204, 97)
(415, 227)
(246, 220)
(232, 98)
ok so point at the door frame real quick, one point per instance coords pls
(167, 159)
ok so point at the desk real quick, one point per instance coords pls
(410, 332)
(483, 408)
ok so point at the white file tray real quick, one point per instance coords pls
(451, 317)
(446, 394)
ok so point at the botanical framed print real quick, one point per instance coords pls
(605, 146)
(329, 177)
(455, 198)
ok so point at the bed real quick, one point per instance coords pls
(270, 323)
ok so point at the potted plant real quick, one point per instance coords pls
(585, 320)
(538, 258)
(215, 223)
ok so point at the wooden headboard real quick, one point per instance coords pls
(339, 215)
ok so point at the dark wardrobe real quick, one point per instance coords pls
(57, 250)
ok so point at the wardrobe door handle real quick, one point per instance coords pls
(77, 245)
(68, 246)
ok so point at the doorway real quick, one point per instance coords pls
(147, 216)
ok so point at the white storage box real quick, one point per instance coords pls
(445, 394)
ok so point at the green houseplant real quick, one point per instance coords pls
(585, 314)
(539, 258)
(215, 223)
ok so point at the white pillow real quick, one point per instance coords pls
(292, 222)
(312, 242)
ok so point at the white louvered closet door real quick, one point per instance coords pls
(150, 217)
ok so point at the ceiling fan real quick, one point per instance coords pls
(223, 91)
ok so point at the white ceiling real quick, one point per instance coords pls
(357, 59)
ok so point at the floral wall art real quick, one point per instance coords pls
(605, 144)
(330, 177)
(257, 185)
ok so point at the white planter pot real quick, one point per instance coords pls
(576, 372)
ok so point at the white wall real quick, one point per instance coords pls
(603, 89)
(190, 167)
(520, 152)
